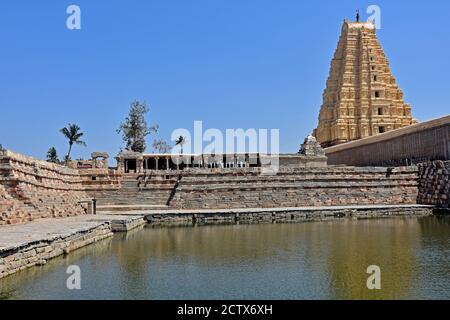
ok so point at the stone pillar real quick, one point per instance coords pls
(120, 165)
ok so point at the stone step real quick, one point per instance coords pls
(118, 208)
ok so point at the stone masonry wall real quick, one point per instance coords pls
(8, 204)
(329, 186)
(101, 183)
(31, 189)
(21, 257)
(434, 184)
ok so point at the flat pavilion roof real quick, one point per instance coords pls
(192, 154)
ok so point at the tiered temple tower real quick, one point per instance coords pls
(361, 98)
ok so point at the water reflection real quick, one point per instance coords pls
(321, 260)
(389, 244)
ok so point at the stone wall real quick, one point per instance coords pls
(9, 205)
(414, 144)
(249, 188)
(31, 189)
(27, 255)
(331, 186)
(100, 180)
(284, 215)
(434, 184)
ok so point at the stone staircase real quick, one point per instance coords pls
(16, 210)
(10, 208)
(24, 205)
(31, 204)
(136, 193)
(31, 189)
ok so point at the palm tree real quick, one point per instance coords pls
(52, 155)
(73, 134)
(180, 142)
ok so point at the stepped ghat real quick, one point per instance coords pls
(229, 182)
(31, 189)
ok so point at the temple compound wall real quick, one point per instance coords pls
(418, 143)
(31, 189)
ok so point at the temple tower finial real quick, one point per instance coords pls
(357, 15)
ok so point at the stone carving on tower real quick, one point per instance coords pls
(362, 97)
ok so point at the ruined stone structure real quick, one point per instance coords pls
(99, 160)
(426, 141)
(361, 98)
(434, 184)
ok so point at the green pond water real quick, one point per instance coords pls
(319, 260)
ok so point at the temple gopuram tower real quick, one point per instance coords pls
(361, 98)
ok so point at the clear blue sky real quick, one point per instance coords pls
(232, 64)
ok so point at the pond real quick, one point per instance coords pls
(318, 260)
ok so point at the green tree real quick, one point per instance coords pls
(180, 141)
(52, 155)
(135, 128)
(73, 134)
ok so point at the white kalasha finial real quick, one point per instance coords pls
(311, 147)
(311, 138)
